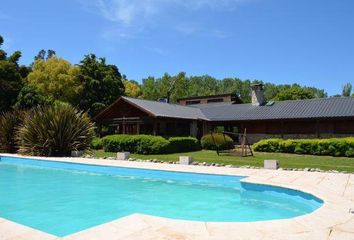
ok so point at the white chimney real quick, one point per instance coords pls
(258, 98)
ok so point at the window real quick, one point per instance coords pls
(214, 100)
(191, 102)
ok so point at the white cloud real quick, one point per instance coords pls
(130, 11)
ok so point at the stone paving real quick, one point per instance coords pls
(331, 222)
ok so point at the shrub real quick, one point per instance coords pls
(9, 123)
(330, 146)
(55, 131)
(217, 141)
(96, 143)
(183, 144)
(142, 144)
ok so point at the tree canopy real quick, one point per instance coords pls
(102, 84)
(10, 78)
(183, 86)
(347, 89)
(56, 78)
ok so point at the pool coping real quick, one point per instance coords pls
(331, 221)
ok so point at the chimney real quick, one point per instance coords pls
(258, 98)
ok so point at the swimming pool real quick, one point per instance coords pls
(64, 198)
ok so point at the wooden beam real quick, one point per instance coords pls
(155, 127)
(317, 129)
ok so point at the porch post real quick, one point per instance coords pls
(155, 127)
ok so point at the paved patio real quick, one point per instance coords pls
(332, 221)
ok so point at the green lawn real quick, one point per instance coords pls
(286, 160)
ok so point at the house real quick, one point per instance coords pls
(311, 118)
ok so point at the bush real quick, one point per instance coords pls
(141, 144)
(9, 122)
(55, 131)
(217, 141)
(183, 144)
(330, 146)
(96, 143)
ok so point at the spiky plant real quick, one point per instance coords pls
(55, 131)
(9, 122)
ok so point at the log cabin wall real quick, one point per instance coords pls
(314, 128)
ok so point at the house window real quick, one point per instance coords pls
(191, 102)
(214, 100)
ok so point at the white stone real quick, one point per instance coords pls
(271, 164)
(185, 160)
(123, 155)
(77, 153)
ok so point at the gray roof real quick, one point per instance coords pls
(292, 109)
(160, 109)
(227, 111)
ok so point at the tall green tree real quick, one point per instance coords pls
(57, 79)
(347, 90)
(150, 90)
(294, 93)
(102, 84)
(10, 78)
(45, 55)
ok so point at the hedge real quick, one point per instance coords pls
(331, 146)
(142, 144)
(217, 141)
(183, 144)
(97, 143)
(147, 144)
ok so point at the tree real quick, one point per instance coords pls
(132, 88)
(56, 78)
(149, 89)
(102, 84)
(10, 78)
(29, 97)
(347, 89)
(44, 55)
(294, 93)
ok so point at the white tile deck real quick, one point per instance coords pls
(332, 221)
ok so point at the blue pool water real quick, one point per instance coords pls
(64, 198)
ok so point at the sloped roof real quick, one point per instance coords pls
(227, 111)
(292, 109)
(160, 109)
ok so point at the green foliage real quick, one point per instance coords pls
(97, 143)
(56, 78)
(294, 93)
(29, 97)
(142, 144)
(217, 141)
(45, 55)
(331, 147)
(10, 79)
(55, 131)
(9, 122)
(347, 89)
(183, 144)
(184, 86)
(148, 144)
(132, 88)
(102, 84)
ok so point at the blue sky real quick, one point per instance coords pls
(310, 42)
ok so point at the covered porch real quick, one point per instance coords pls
(125, 117)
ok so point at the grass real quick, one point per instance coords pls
(286, 160)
